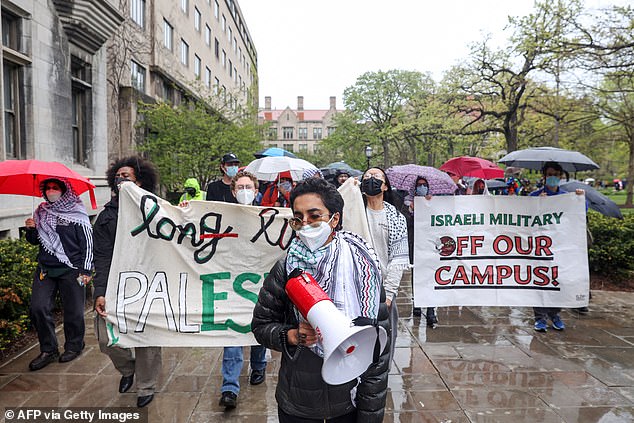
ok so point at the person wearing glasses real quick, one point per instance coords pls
(244, 187)
(62, 230)
(348, 271)
(388, 233)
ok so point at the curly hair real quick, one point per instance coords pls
(327, 192)
(242, 174)
(144, 171)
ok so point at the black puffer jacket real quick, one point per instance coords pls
(301, 391)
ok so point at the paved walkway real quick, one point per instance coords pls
(482, 364)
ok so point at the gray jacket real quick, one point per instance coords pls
(301, 391)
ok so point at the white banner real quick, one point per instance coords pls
(501, 251)
(189, 276)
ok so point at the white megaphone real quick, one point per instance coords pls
(348, 349)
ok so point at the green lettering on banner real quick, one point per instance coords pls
(495, 220)
(210, 296)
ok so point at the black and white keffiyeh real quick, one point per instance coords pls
(70, 208)
(347, 269)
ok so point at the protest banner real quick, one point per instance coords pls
(189, 276)
(500, 251)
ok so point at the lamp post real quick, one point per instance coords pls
(368, 154)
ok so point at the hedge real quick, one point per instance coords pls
(18, 260)
(612, 250)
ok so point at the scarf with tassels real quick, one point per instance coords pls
(70, 208)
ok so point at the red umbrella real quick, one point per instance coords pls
(472, 166)
(23, 177)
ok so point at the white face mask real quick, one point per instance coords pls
(314, 238)
(53, 196)
(245, 196)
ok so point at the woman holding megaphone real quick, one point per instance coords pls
(348, 272)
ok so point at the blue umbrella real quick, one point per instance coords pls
(596, 200)
(273, 152)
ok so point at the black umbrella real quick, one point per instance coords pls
(596, 200)
(534, 158)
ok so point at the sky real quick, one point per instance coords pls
(316, 49)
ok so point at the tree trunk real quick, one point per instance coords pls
(386, 155)
(630, 173)
(510, 133)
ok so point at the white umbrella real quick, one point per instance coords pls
(267, 168)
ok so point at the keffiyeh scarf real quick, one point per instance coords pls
(69, 208)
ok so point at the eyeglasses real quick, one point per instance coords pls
(314, 220)
(375, 176)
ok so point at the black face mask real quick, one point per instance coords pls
(371, 186)
(117, 181)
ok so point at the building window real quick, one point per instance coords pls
(216, 9)
(15, 146)
(207, 77)
(197, 19)
(184, 5)
(11, 30)
(229, 33)
(224, 24)
(288, 147)
(302, 133)
(13, 85)
(230, 68)
(331, 130)
(216, 48)
(184, 53)
(235, 46)
(197, 66)
(273, 133)
(81, 110)
(208, 35)
(303, 148)
(287, 132)
(138, 76)
(216, 86)
(235, 75)
(168, 35)
(316, 133)
(167, 91)
(224, 59)
(137, 12)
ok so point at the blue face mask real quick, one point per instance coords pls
(231, 171)
(552, 181)
(422, 190)
(286, 186)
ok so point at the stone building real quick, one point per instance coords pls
(54, 90)
(74, 70)
(178, 49)
(297, 130)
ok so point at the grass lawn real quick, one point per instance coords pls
(618, 197)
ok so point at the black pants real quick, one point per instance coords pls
(287, 418)
(73, 301)
(545, 313)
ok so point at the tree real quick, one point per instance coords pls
(189, 140)
(496, 85)
(376, 99)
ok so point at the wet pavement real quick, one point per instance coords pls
(482, 364)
